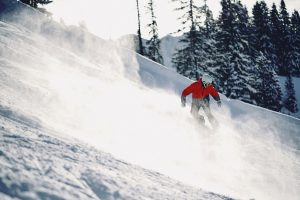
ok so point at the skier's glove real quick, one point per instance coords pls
(183, 101)
(219, 103)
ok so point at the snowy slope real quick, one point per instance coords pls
(68, 81)
(35, 165)
(38, 162)
(168, 48)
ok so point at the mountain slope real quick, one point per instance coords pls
(71, 82)
(38, 80)
(36, 165)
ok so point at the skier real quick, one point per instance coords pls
(201, 90)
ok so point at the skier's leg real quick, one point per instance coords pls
(211, 118)
(195, 111)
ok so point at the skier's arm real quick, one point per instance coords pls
(188, 90)
(215, 95)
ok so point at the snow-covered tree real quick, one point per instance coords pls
(261, 33)
(186, 59)
(153, 48)
(290, 102)
(209, 22)
(268, 93)
(293, 56)
(276, 36)
(242, 23)
(284, 16)
(285, 45)
(233, 59)
(267, 90)
(224, 40)
(207, 43)
(141, 46)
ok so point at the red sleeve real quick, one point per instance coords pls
(214, 93)
(188, 90)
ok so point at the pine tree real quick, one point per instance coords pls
(226, 26)
(233, 59)
(243, 24)
(224, 40)
(276, 37)
(186, 59)
(154, 43)
(209, 22)
(208, 43)
(285, 45)
(141, 46)
(285, 19)
(261, 33)
(290, 102)
(268, 93)
(293, 57)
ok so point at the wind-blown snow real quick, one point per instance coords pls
(71, 82)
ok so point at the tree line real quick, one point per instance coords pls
(245, 54)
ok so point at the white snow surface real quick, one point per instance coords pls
(59, 83)
(35, 165)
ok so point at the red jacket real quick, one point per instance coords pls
(200, 92)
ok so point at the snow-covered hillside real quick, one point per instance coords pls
(36, 165)
(59, 82)
(40, 163)
(168, 48)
